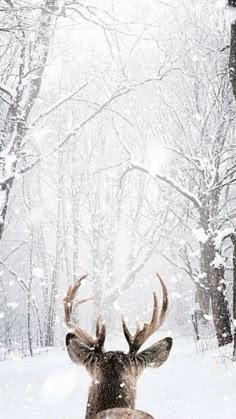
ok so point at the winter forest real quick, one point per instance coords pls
(118, 160)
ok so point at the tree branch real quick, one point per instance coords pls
(179, 188)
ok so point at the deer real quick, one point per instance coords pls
(114, 374)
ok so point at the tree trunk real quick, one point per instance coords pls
(29, 329)
(233, 238)
(29, 296)
(212, 290)
(203, 295)
(50, 336)
(232, 55)
(29, 74)
(97, 296)
(220, 307)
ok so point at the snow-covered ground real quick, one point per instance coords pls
(189, 385)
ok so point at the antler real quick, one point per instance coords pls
(135, 342)
(85, 338)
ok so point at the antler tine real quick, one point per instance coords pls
(100, 331)
(127, 333)
(81, 334)
(165, 300)
(69, 299)
(137, 340)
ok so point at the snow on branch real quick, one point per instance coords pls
(9, 2)
(120, 92)
(61, 102)
(230, 14)
(10, 92)
(170, 181)
(196, 161)
(220, 236)
(128, 281)
(200, 235)
(218, 262)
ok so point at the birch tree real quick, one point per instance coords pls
(21, 82)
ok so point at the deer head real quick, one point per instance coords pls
(115, 373)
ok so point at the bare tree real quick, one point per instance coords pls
(21, 83)
(204, 169)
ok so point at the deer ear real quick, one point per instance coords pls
(155, 355)
(80, 353)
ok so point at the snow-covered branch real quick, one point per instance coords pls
(128, 281)
(122, 91)
(61, 102)
(170, 181)
(10, 92)
(222, 235)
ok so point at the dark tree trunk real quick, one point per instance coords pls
(212, 290)
(233, 238)
(202, 293)
(212, 282)
(220, 307)
(232, 69)
(232, 55)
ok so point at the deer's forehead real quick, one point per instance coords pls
(118, 356)
(114, 364)
(114, 359)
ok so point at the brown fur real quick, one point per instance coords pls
(123, 413)
(114, 374)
